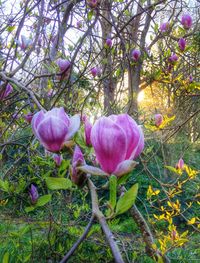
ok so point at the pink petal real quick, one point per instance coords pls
(74, 126)
(109, 142)
(140, 146)
(37, 118)
(124, 167)
(51, 132)
(131, 130)
(60, 114)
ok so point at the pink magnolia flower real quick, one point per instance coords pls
(54, 128)
(186, 21)
(15, 115)
(63, 65)
(135, 55)
(92, 3)
(96, 71)
(28, 117)
(79, 24)
(33, 193)
(87, 130)
(51, 93)
(180, 164)
(77, 160)
(173, 58)
(182, 44)
(164, 27)
(4, 92)
(58, 159)
(117, 140)
(190, 79)
(25, 42)
(108, 42)
(158, 119)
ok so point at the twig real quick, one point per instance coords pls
(79, 241)
(99, 215)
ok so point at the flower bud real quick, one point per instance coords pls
(180, 164)
(108, 43)
(186, 21)
(78, 177)
(164, 27)
(63, 65)
(58, 159)
(33, 193)
(25, 43)
(96, 71)
(158, 119)
(92, 3)
(173, 58)
(79, 24)
(190, 79)
(182, 44)
(4, 92)
(135, 55)
(28, 117)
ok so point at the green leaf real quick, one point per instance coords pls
(172, 169)
(54, 183)
(43, 200)
(63, 168)
(6, 258)
(113, 191)
(124, 178)
(4, 185)
(127, 200)
(90, 15)
(10, 28)
(29, 209)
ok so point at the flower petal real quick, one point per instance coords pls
(51, 133)
(109, 142)
(140, 145)
(37, 118)
(131, 130)
(125, 167)
(92, 170)
(74, 126)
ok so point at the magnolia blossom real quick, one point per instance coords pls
(92, 3)
(135, 55)
(117, 140)
(64, 65)
(109, 42)
(77, 160)
(79, 24)
(190, 79)
(182, 44)
(96, 71)
(25, 42)
(33, 192)
(4, 92)
(180, 164)
(15, 115)
(58, 159)
(186, 21)
(164, 27)
(87, 130)
(54, 128)
(173, 58)
(158, 119)
(28, 117)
